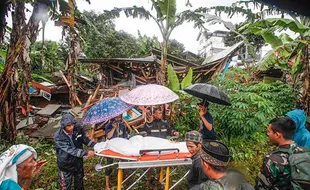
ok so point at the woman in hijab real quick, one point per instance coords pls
(18, 166)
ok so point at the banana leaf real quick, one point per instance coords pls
(187, 81)
(174, 83)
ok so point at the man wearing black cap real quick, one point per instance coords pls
(206, 121)
(215, 158)
(196, 175)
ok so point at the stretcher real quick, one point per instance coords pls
(165, 158)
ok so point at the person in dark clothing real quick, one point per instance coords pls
(206, 122)
(157, 127)
(215, 158)
(196, 175)
(69, 141)
(114, 129)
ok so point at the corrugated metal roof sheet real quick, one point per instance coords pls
(223, 54)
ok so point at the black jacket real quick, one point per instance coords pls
(158, 128)
(196, 174)
(69, 150)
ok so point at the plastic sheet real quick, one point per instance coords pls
(133, 146)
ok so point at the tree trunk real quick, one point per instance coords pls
(17, 60)
(163, 63)
(9, 78)
(306, 79)
(29, 36)
(74, 52)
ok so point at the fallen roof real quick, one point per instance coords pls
(149, 59)
(223, 54)
(174, 59)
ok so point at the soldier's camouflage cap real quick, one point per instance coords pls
(215, 153)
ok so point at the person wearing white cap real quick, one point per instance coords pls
(18, 166)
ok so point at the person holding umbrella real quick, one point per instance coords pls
(206, 121)
(207, 92)
(115, 128)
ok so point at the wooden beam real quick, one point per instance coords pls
(68, 84)
(144, 74)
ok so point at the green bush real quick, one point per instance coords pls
(253, 106)
(186, 116)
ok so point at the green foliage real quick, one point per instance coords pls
(253, 106)
(308, 119)
(174, 83)
(232, 38)
(187, 115)
(280, 24)
(167, 9)
(106, 42)
(176, 48)
(147, 43)
(287, 53)
(187, 81)
(41, 77)
(54, 58)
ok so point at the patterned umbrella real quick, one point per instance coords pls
(150, 94)
(104, 110)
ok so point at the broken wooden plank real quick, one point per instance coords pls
(24, 123)
(49, 109)
(68, 84)
(86, 105)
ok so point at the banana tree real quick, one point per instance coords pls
(17, 64)
(289, 54)
(167, 19)
(17, 59)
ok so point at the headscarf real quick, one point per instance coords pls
(14, 156)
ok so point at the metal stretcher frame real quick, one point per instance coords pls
(140, 163)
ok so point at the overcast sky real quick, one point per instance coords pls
(185, 33)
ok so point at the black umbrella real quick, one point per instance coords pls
(208, 92)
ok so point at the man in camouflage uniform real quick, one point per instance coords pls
(215, 158)
(275, 172)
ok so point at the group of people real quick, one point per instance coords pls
(286, 167)
(210, 157)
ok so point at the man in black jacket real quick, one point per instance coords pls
(69, 141)
(157, 127)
